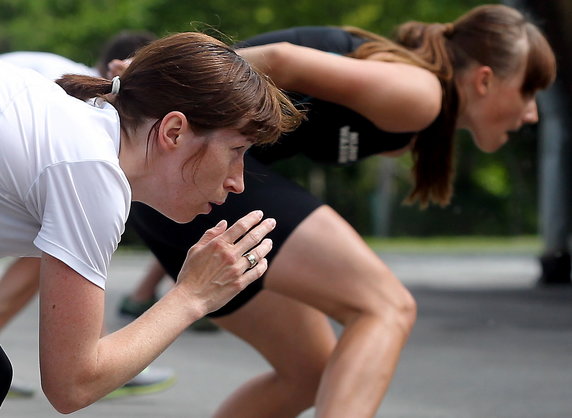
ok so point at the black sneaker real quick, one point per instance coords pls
(556, 268)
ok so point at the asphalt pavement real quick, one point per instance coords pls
(488, 343)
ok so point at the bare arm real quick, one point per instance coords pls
(78, 366)
(395, 97)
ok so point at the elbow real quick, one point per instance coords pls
(66, 398)
(425, 101)
(428, 112)
(423, 112)
(278, 58)
(432, 104)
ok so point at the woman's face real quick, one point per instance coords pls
(200, 173)
(491, 107)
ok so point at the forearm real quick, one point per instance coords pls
(94, 370)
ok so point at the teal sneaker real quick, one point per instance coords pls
(20, 390)
(151, 380)
(204, 325)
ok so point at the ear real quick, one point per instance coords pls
(172, 126)
(482, 79)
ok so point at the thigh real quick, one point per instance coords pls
(326, 264)
(294, 338)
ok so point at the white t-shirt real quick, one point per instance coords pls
(49, 65)
(61, 188)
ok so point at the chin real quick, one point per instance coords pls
(180, 218)
(185, 219)
(490, 147)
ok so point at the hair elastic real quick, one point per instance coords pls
(115, 84)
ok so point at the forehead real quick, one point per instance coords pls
(226, 136)
(516, 77)
(517, 63)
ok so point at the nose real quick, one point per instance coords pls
(531, 112)
(234, 183)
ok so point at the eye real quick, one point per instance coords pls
(529, 95)
(242, 148)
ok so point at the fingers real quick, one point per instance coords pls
(240, 227)
(245, 235)
(117, 67)
(254, 273)
(213, 232)
(253, 257)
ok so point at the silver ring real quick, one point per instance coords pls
(251, 259)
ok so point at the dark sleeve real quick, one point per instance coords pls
(324, 38)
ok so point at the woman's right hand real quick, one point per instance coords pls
(216, 268)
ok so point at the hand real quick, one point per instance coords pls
(215, 269)
(117, 67)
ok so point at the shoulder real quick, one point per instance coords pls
(396, 97)
(84, 208)
(51, 66)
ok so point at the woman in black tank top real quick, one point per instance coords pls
(365, 95)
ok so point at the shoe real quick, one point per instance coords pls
(150, 380)
(134, 308)
(20, 390)
(204, 325)
(556, 268)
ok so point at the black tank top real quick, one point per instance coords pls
(331, 133)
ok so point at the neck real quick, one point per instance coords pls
(133, 159)
(461, 93)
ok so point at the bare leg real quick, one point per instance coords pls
(144, 295)
(297, 341)
(18, 286)
(148, 285)
(327, 265)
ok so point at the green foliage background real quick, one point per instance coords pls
(495, 194)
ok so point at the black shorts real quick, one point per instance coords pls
(5, 375)
(266, 190)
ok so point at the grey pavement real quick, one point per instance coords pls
(488, 343)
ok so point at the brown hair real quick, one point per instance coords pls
(199, 76)
(486, 35)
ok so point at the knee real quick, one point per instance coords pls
(387, 302)
(403, 309)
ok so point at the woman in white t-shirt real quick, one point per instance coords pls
(171, 133)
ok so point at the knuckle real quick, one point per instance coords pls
(243, 224)
(235, 270)
(219, 245)
(256, 235)
(228, 258)
(242, 283)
